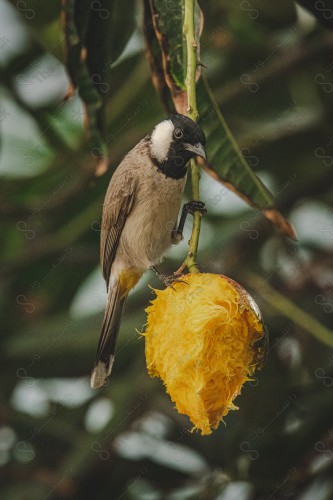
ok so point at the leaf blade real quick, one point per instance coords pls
(227, 164)
(95, 38)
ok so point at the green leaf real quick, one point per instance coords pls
(96, 35)
(229, 165)
(223, 151)
(169, 24)
(108, 32)
(169, 20)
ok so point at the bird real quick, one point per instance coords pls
(139, 219)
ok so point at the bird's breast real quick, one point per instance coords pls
(148, 230)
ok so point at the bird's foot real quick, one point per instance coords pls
(188, 208)
(180, 270)
(195, 206)
(168, 279)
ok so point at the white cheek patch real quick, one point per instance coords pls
(161, 139)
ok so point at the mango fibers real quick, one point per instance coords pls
(204, 340)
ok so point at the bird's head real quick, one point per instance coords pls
(173, 142)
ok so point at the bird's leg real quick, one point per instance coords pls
(177, 235)
(166, 279)
(156, 271)
(180, 270)
(188, 208)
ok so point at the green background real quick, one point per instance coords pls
(270, 68)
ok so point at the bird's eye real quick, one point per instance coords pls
(178, 133)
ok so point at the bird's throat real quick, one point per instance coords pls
(172, 169)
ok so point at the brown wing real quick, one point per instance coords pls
(117, 205)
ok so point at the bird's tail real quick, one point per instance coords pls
(108, 338)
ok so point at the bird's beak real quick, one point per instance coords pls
(196, 148)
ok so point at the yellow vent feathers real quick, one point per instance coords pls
(200, 340)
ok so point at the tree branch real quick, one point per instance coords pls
(191, 46)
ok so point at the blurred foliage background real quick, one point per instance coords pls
(270, 67)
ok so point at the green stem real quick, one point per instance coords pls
(191, 48)
(285, 306)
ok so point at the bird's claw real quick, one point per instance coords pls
(169, 280)
(195, 206)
